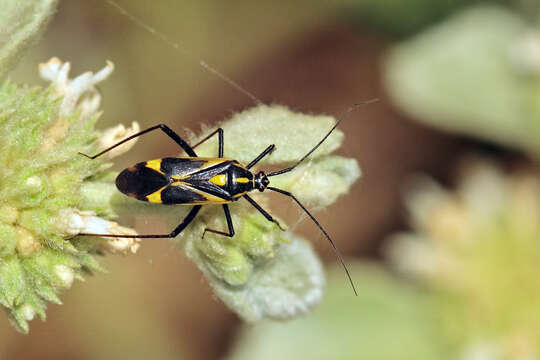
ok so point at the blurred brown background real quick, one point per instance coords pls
(307, 55)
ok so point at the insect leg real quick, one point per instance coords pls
(262, 211)
(266, 151)
(184, 145)
(219, 131)
(229, 224)
(187, 220)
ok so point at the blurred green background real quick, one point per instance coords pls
(454, 77)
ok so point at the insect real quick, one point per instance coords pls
(198, 181)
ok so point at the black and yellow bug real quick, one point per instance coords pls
(198, 181)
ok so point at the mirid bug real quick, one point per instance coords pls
(198, 181)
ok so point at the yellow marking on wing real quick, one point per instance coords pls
(219, 180)
(154, 165)
(208, 162)
(204, 202)
(239, 165)
(155, 197)
(212, 162)
(209, 198)
(207, 159)
(241, 180)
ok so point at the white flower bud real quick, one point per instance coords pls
(115, 134)
(78, 93)
(65, 275)
(75, 221)
(27, 312)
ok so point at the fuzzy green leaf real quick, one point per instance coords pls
(460, 76)
(249, 132)
(320, 182)
(284, 286)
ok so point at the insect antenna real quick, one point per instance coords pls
(347, 111)
(290, 168)
(336, 251)
(182, 49)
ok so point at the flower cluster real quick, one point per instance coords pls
(41, 178)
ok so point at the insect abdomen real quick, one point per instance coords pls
(139, 181)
